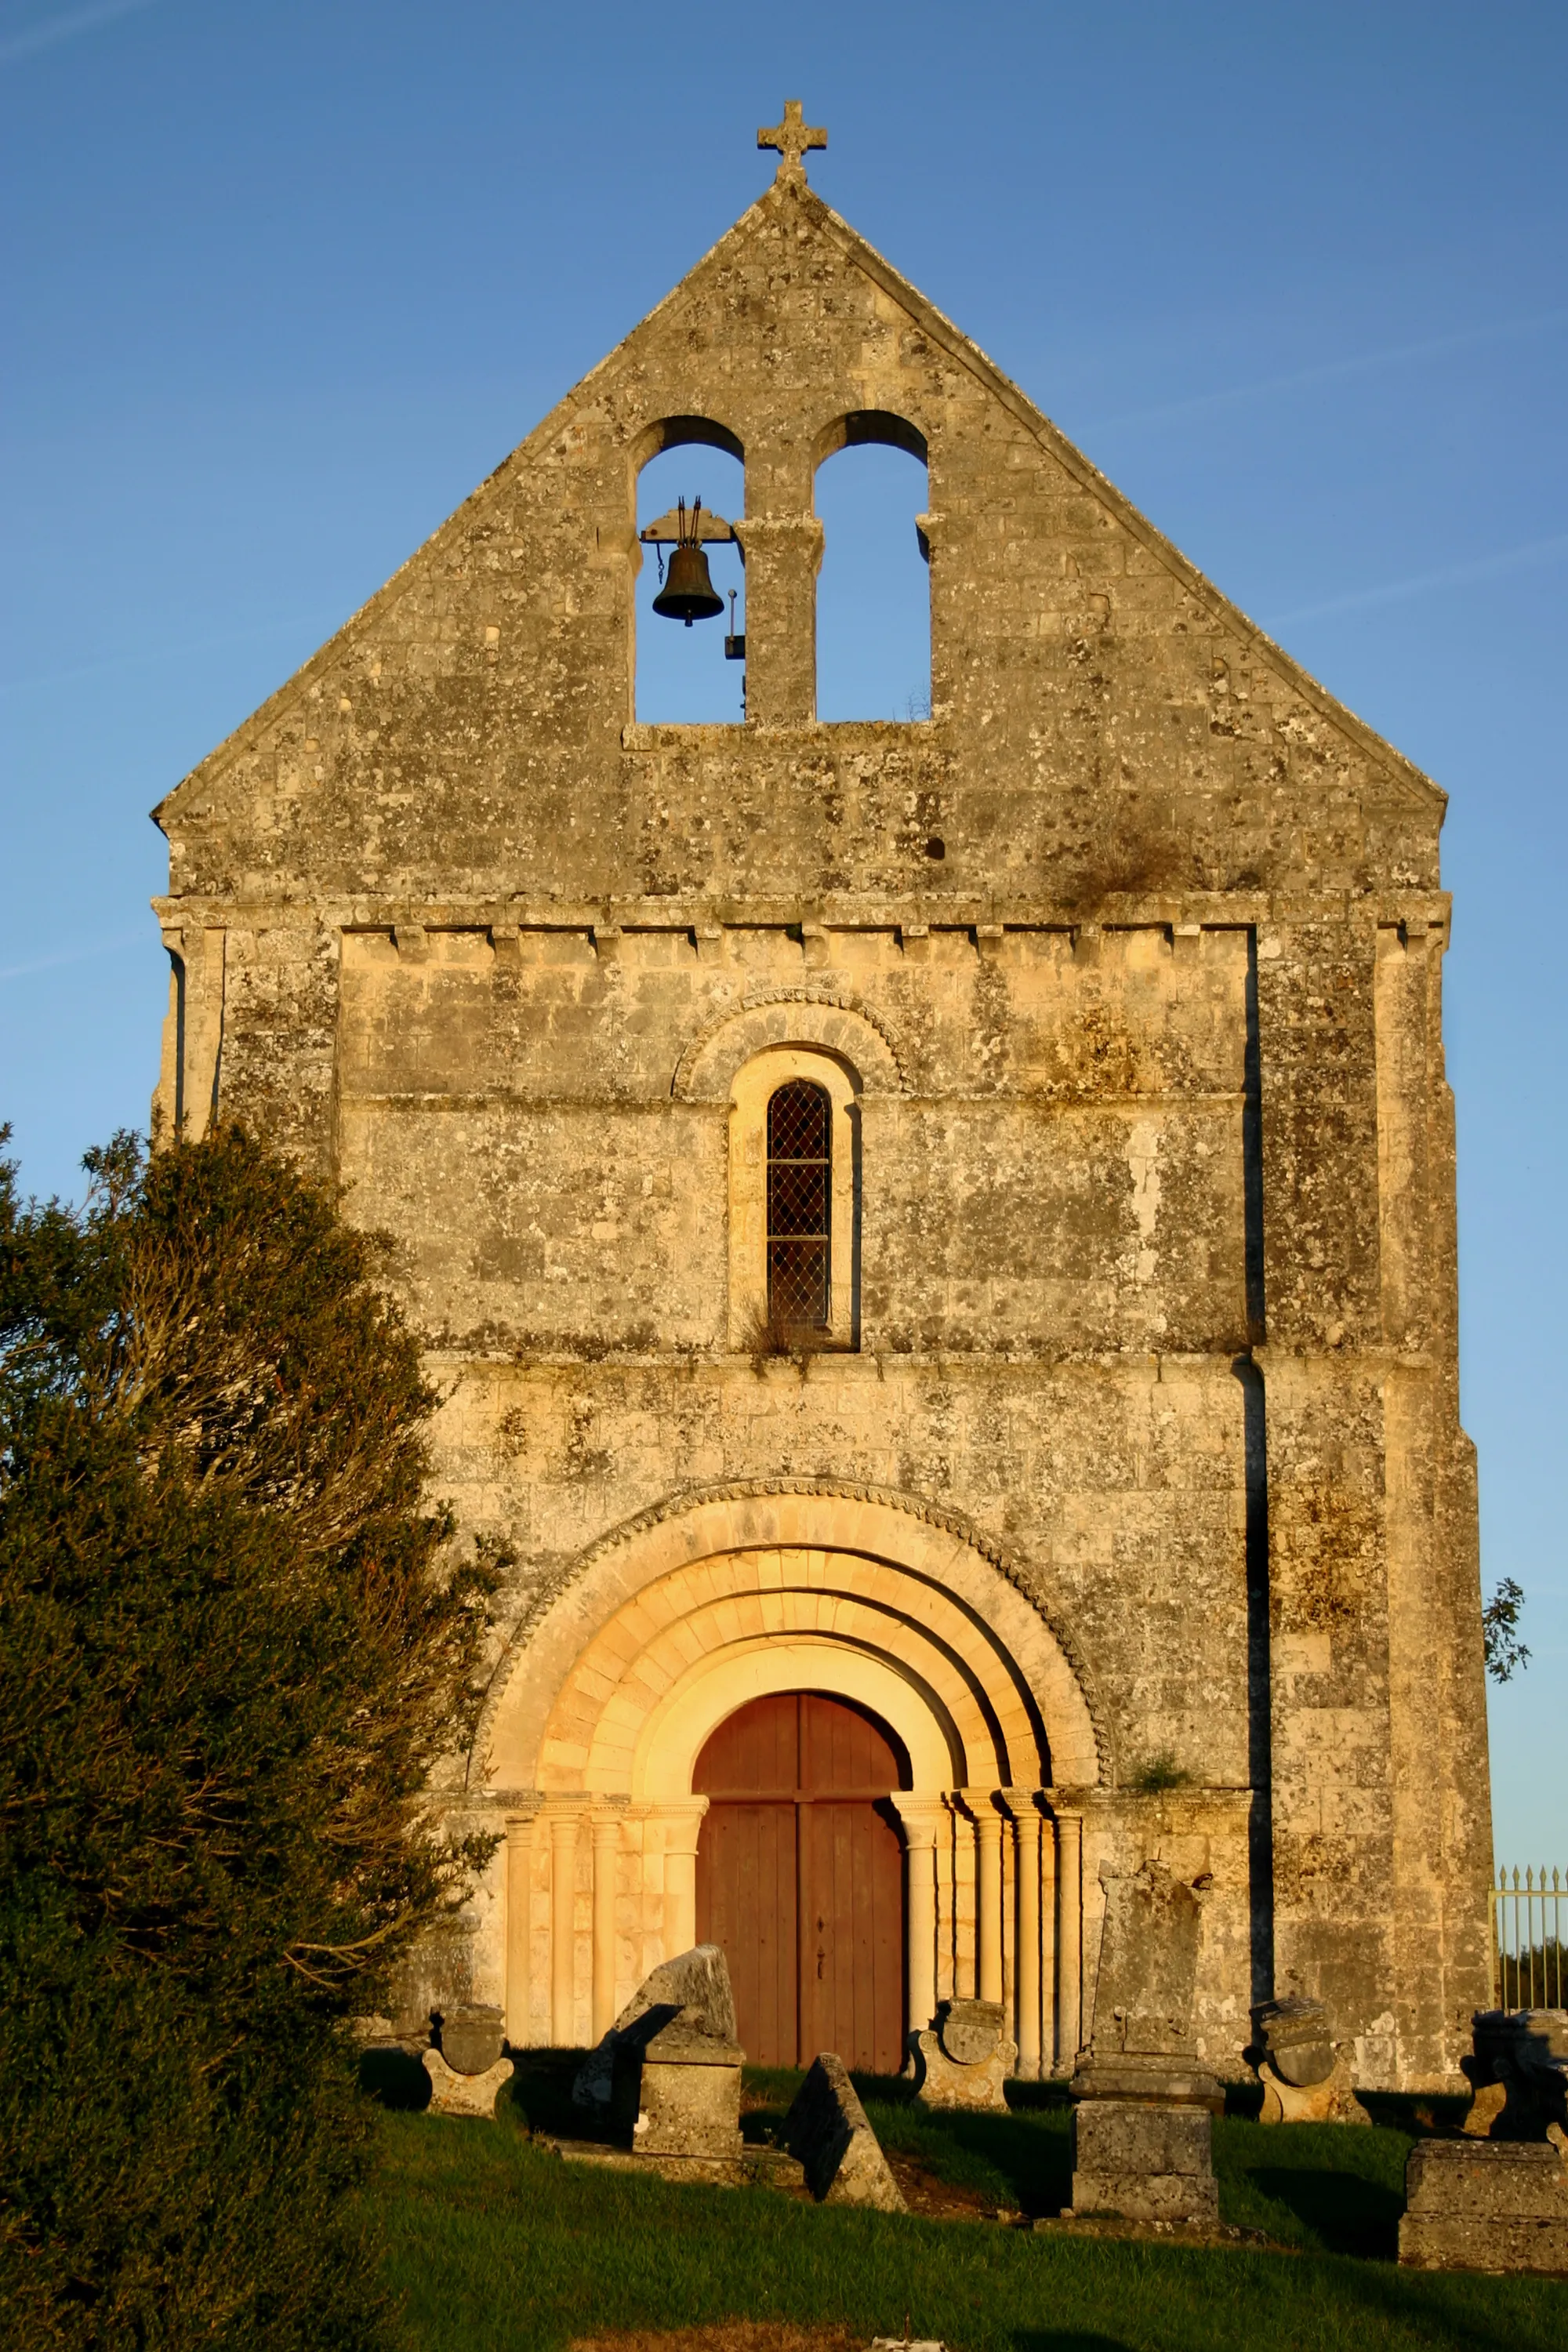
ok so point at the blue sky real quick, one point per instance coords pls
(282, 283)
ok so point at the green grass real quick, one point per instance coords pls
(1308, 2185)
(497, 2245)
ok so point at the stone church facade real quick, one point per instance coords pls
(1107, 1498)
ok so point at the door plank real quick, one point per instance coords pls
(800, 1878)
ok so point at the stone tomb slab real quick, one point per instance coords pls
(1486, 2205)
(1143, 2163)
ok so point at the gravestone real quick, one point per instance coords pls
(1519, 2074)
(1496, 2199)
(1142, 2104)
(697, 1981)
(667, 2076)
(966, 2055)
(1305, 2076)
(455, 2093)
(826, 2128)
(464, 2061)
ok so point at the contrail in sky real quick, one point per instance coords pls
(1334, 371)
(76, 955)
(66, 28)
(1452, 575)
(153, 656)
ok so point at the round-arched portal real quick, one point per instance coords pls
(800, 1877)
(599, 1738)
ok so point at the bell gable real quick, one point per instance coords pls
(1105, 728)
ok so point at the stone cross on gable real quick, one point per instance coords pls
(792, 137)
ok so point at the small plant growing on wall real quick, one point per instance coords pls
(771, 1332)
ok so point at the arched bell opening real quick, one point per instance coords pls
(690, 489)
(873, 591)
(800, 1877)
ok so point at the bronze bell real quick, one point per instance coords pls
(688, 593)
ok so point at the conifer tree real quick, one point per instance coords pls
(233, 1642)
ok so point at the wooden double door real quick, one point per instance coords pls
(800, 1878)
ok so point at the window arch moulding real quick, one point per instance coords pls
(832, 1018)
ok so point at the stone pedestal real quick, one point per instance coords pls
(1141, 2133)
(1485, 2205)
(452, 2093)
(1305, 2076)
(964, 2058)
(1143, 2163)
(1330, 2101)
(680, 2094)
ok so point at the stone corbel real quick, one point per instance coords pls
(615, 543)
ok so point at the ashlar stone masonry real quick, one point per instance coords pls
(1122, 1483)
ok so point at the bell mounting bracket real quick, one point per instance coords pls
(671, 529)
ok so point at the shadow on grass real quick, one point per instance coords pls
(1417, 2115)
(1338, 2211)
(1329, 2187)
(1070, 2340)
(393, 2079)
(495, 2245)
(1018, 2160)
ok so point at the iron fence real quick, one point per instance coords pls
(1530, 1941)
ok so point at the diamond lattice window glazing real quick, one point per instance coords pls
(800, 1189)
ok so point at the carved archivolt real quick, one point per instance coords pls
(815, 1569)
(805, 1013)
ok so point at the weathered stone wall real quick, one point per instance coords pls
(1155, 1257)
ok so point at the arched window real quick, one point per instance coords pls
(794, 1202)
(800, 1206)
